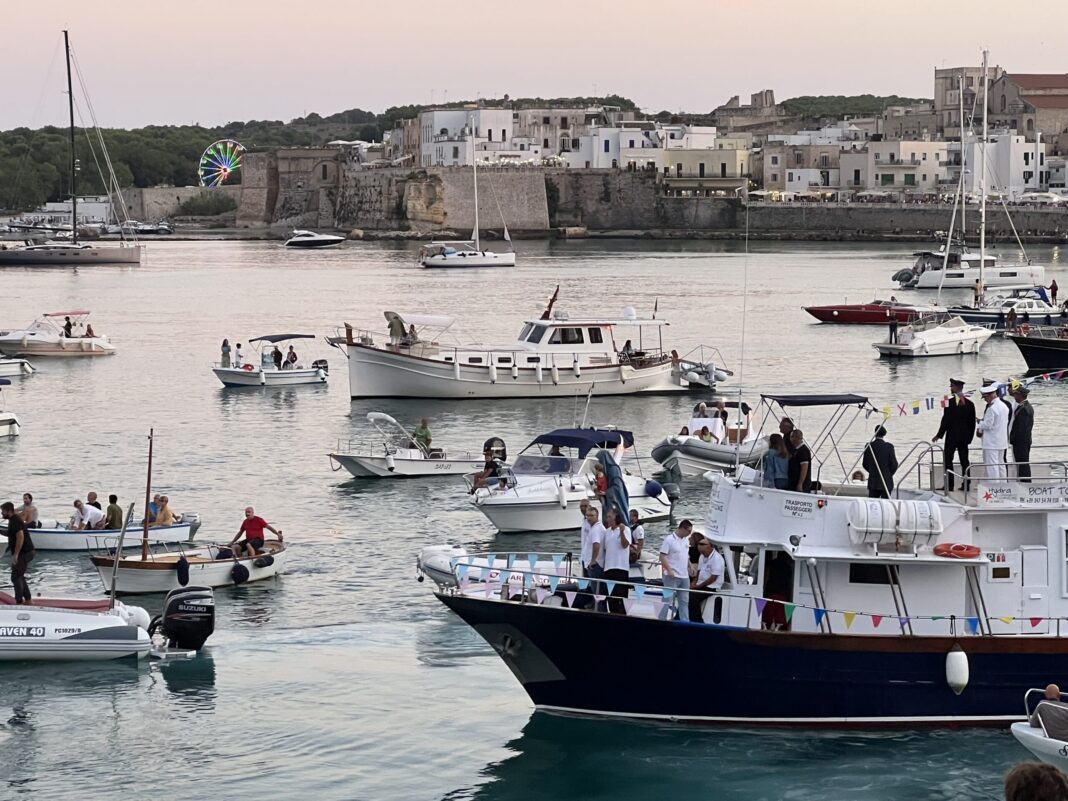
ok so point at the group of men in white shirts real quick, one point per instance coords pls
(609, 548)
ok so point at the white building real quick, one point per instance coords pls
(914, 167)
(636, 145)
(456, 137)
(91, 209)
(687, 137)
(1013, 165)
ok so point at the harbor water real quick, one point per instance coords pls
(345, 678)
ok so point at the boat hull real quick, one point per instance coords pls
(39, 633)
(235, 377)
(9, 425)
(63, 539)
(70, 257)
(510, 517)
(462, 259)
(377, 373)
(13, 367)
(1042, 353)
(314, 244)
(773, 678)
(919, 348)
(135, 576)
(862, 314)
(692, 457)
(965, 278)
(33, 344)
(379, 467)
(1044, 748)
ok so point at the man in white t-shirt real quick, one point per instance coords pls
(675, 561)
(87, 517)
(710, 570)
(637, 537)
(617, 539)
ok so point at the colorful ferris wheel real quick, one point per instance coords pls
(220, 163)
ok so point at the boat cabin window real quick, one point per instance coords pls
(533, 359)
(537, 333)
(596, 337)
(525, 332)
(566, 336)
(535, 464)
(474, 360)
(860, 573)
(504, 360)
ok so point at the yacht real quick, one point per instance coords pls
(554, 356)
(935, 335)
(310, 239)
(47, 336)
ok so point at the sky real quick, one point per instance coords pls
(170, 62)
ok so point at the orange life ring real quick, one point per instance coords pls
(957, 550)
(248, 367)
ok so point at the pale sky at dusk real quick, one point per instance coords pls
(210, 62)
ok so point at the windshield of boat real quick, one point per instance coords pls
(535, 464)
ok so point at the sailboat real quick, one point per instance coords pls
(467, 253)
(72, 253)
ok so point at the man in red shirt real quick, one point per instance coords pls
(252, 528)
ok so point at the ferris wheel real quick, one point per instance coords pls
(220, 162)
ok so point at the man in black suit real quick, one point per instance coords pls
(958, 427)
(1022, 421)
(881, 463)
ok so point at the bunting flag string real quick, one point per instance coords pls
(583, 583)
(541, 594)
(669, 594)
(940, 402)
(611, 585)
(558, 559)
(639, 591)
(461, 570)
(904, 621)
(973, 624)
(760, 604)
(554, 582)
(628, 604)
(1035, 621)
(819, 614)
(532, 559)
(570, 595)
(511, 560)
(1006, 620)
(789, 609)
(489, 561)
(849, 617)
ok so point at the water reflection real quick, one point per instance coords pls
(191, 681)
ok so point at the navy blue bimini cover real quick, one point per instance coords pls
(816, 400)
(282, 337)
(585, 439)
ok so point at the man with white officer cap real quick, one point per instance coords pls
(993, 431)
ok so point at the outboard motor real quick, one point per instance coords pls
(188, 618)
(496, 446)
(321, 364)
(193, 519)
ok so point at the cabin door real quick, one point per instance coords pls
(1000, 581)
(1035, 588)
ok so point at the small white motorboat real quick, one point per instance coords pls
(689, 455)
(9, 421)
(47, 336)
(15, 367)
(169, 568)
(1044, 731)
(57, 537)
(935, 336)
(400, 455)
(263, 371)
(310, 239)
(542, 491)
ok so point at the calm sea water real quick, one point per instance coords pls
(345, 679)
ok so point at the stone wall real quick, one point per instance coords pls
(160, 202)
(259, 190)
(603, 199)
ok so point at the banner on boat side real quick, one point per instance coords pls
(803, 507)
(1017, 494)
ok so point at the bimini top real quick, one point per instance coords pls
(816, 400)
(281, 337)
(585, 439)
(78, 313)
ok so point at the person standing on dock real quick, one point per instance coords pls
(993, 429)
(1020, 426)
(20, 546)
(958, 427)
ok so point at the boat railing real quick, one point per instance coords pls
(1039, 331)
(703, 355)
(534, 577)
(107, 545)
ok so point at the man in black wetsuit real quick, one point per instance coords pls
(958, 427)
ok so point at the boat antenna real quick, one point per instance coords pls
(982, 179)
(73, 160)
(744, 193)
(115, 557)
(148, 498)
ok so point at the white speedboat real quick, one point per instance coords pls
(399, 455)
(263, 371)
(541, 491)
(56, 537)
(733, 443)
(75, 630)
(14, 367)
(9, 421)
(554, 356)
(1031, 305)
(169, 568)
(1044, 731)
(47, 336)
(935, 336)
(310, 239)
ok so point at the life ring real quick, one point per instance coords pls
(957, 550)
(248, 367)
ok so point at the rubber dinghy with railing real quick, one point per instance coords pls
(928, 607)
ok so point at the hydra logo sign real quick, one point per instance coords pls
(1017, 494)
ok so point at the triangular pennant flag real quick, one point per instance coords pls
(639, 590)
(849, 616)
(1035, 621)
(583, 583)
(760, 604)
(461, 570)
(628, 604)
(558, 558)
(1006, 620)
(541, 594)
(511, 560)
(789, 609)
(903, 621)
(973, 624)
(489, 561)
(818, 614)
(658, 609)
(554, 582)
(532, 559)
(611, 585)
(489, 589)
(570, 595)
(669, 594)
(876, 620)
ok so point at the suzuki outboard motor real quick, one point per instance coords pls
(188, 617)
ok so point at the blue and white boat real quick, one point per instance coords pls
(931, 607)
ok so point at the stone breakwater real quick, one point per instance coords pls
(555, 201)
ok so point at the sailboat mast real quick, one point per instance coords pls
(474, 173)
(73, 162)
(982, 180)
(963, 164)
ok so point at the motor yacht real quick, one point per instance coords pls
(878, 312)
(62, 334)
(310, 239)
(936, 335)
